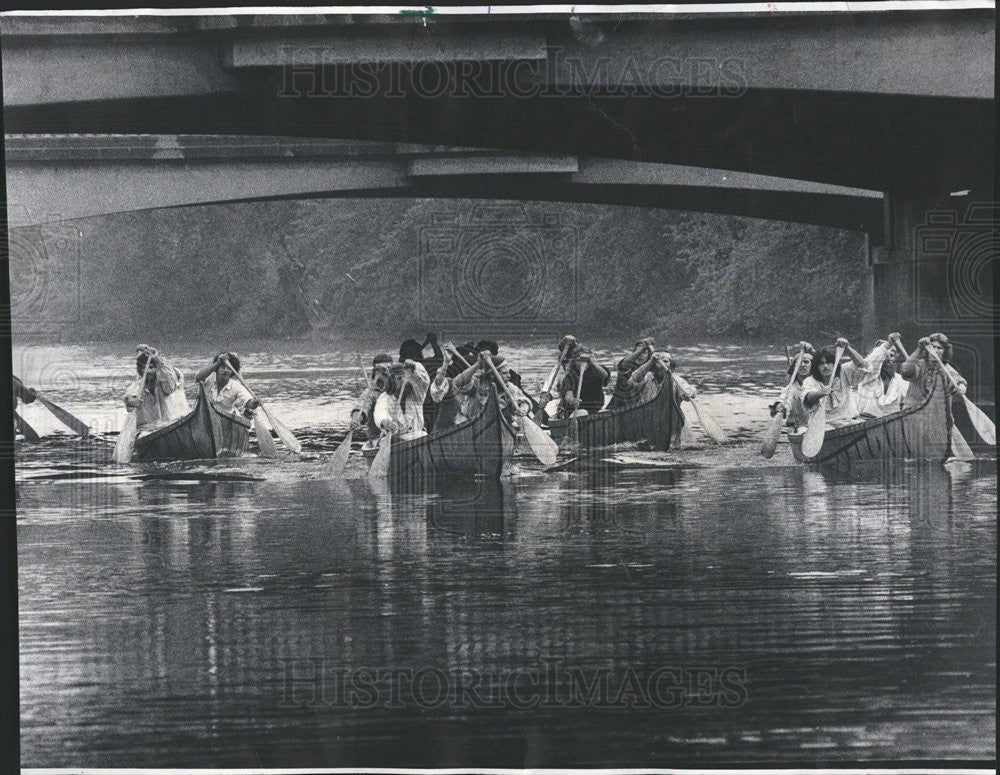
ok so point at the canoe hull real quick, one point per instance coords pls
(204, 433)
(482, 446)
(655, 421)
(921, 433)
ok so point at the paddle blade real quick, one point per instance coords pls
(338, 461)
(545, 449)
(380, 465)
(812, 439)
(770, 441)
(981, 422)
(711, 427)
(26, 430)
(264, 441)
(75, 425)
(126, 440)
(959, 446)
(286, 436)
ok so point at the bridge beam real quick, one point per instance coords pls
(56, 178)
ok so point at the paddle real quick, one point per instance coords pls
(380, 465)
(712, 428)
(266, 444)
(545, 449)
(980, 421)
(25, 430)
(579, 391)
(338, 460)
(812, 439)
(770, 441)
(126, 439)
(286, 436)
(75, 425)
(551, 379)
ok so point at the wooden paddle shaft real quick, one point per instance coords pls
(240, 378)
(579, 384)
(510, 396)
(458, 355)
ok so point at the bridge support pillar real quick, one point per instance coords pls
(935, 272)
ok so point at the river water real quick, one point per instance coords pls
(701, 606)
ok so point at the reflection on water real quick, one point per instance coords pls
(703, 609)
(228, 622)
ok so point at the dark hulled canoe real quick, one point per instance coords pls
(655, 421)
(204, 433)
(482, 446)
(921, 432)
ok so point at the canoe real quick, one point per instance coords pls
(205, 433)
(482, 446)
(655, 420)
(921, 432)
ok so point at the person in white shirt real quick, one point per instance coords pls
(161, 399)
(364, 405)
(881, 391)
(840, 403)
(400, 409)
(790, 400)
(226, 392)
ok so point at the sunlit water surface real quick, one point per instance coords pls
(698, 606)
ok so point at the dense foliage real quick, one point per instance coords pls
(358, 268)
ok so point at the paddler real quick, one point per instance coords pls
(882, 390)
(921, 369)
(161, 399)
(628, 390)
(841, 406)
(451, 404)
(227, 392)
(399, 409)
(789, 403)
(362, 415)
(591, 389)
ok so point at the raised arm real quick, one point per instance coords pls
(909, 369)
(202, 375)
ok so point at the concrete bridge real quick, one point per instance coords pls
(63, 177)
(877, 120)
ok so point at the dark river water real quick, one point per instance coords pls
(701, 606)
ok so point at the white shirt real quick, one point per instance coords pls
(873, 396)
(165, 404)
(410, 420)
(841, 405)
(231, 398)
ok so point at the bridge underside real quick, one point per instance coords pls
(51, 178)
(883, 143)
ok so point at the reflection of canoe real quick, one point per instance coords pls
(921, 432)
(655, 421)
(205, 432)
(481, 446)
